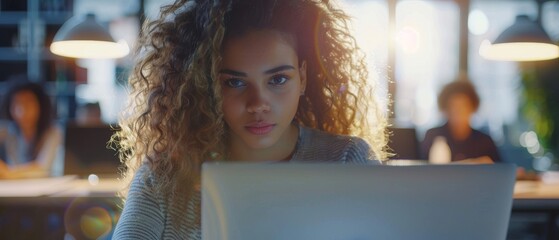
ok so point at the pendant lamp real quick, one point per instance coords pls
(84, 37)
(525, 40)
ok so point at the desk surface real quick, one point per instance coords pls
(67, 186)
(536, 190)
(83, 187)
(70, 186)
(536, 196)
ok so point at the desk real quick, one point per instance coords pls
(71, 205)
(535, 195)
(535, 211)
(58, 207)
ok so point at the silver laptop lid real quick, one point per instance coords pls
(332, 201)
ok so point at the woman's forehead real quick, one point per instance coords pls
(259, 47)
(261, 35)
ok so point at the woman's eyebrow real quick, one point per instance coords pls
(271, 71)
(279, 69)
(233, 72)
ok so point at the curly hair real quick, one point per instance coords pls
(174, 121)
(458, 87)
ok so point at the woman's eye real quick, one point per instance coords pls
(278, 80)
(234, 83)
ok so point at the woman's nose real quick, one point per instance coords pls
(257, 102)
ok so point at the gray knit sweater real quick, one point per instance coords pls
(148, 216)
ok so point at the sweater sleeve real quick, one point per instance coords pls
(359, 152)
(141, 217)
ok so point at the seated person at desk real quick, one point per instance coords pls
(459, 101)
(274, 97)
(29, 140)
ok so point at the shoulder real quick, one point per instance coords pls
(480, 136)
(142, 216)
(9, 128)
(319, 146)
(436, 131)
(3, 129)
(432, 133)
(55, 131)
(142, 182)
(56, 127)
(4, 124)
(359, 151)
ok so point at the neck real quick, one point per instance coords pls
(28, 131)
(460, 133)
(281, 151)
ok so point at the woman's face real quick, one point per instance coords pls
(25, 108)
(261, 81)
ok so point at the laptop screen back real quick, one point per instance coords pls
(318, 201)
(86, 151)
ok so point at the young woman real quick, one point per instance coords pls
(30, 140)
(247, 80)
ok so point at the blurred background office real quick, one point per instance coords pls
(413, 47)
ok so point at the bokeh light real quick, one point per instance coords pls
(93, 179)
(96, 222)
(478, 24)
(535, 149)
(529, 139)
(543, 163)
(408, 39)
(91, 218)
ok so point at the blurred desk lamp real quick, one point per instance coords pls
(81, 37)
(525, 40)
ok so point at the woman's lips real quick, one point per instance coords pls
(260, 128)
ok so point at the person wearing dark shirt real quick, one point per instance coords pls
(459, 101)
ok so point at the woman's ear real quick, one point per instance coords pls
(303, 76)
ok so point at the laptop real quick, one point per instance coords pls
(86, 151)
(355, 202)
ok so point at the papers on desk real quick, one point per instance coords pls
(551, 177)
(522, 187)
(35, 187)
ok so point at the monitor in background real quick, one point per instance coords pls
(332, 201)
(86, 151)
(403, 143)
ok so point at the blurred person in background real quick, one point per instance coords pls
(459, 101)
(29, 139)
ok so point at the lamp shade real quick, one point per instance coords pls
(84, 37)
(525, 40)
